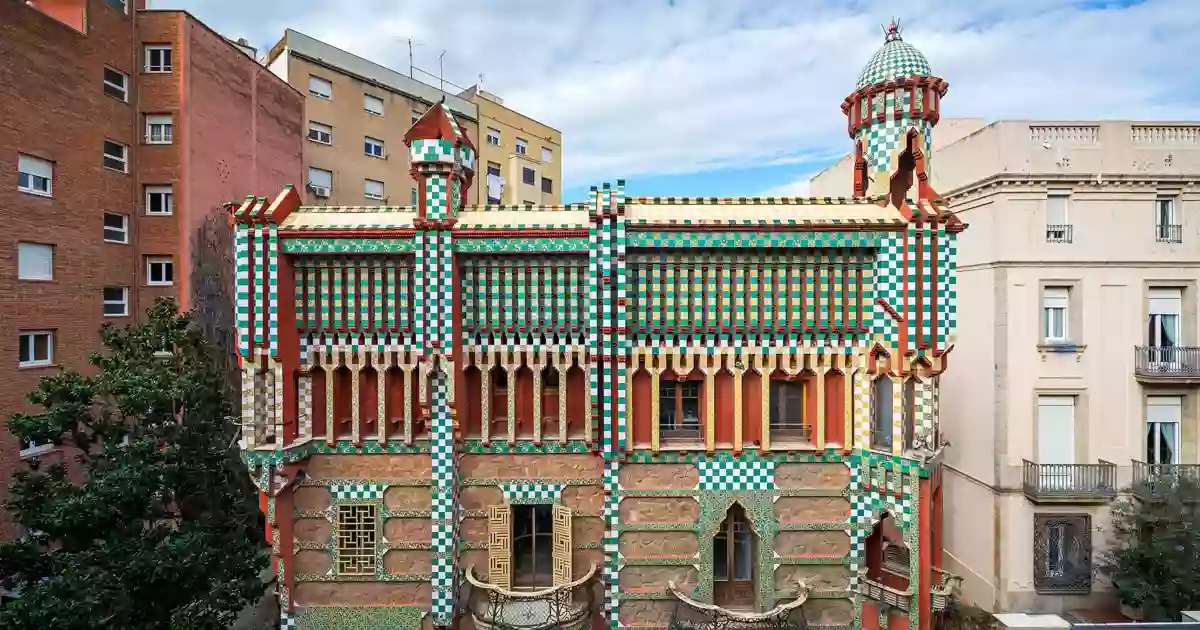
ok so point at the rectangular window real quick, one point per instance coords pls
(528, 175)
(522, 146)
(882, 413)
(547, 155)
(35, 175)
(1056, 441)
(320, 178)
(116, 156)
(373, 189)
(1055, 301)
(119, 5)
(159, 200)
(1167, 226)
(116, 84)
(679, 410)
(493, 169)
(158, 129)
(1058, 225)
(373, 105)
(532, 546)
(547, 185)
(356, 533)
(416, 115)
(158, 58)
(160, 271)
(320, 133)
(1164, 308)
(320, 88)
(493, 136)
(373, 146)
(116, 301)
(116, 228)
(35, 261)
(787, 411)
(1062, 553)
(36, 348)
(1163, 416)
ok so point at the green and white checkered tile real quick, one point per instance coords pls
(896, 59)
(531, 493)
(357, 491)
(735, 475)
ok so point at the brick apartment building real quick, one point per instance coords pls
(123, 128)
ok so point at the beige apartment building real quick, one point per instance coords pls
(1077, 366)
(523, 157)
(358, 111)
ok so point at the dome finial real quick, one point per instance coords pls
(891, 32)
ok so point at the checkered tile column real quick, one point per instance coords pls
(612, 554)
(242, 264)
(890, 287)
(272, 267)
(258, 286)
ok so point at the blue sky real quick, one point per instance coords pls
(742, 97)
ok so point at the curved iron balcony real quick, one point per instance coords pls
(694, 615)
(944, 589)
(885, 594)
(564, 607)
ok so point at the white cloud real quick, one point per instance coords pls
(798, 187)
(640, 87)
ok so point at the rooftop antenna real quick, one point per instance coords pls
(441, 73)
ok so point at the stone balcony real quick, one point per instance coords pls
(695, 615)
(1167, 364)
(1069, 483)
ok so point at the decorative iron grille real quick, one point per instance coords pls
(693, 615)
(356, 539)
(1060, 233)
(1062, 553)
(566, 607)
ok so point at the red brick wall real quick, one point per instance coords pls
(55, 108)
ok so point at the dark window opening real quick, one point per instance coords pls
(787, 410)
(733, 560)
(533, 546)
(679, 410)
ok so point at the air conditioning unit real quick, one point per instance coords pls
(320, 192)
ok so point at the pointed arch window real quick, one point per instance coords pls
(734, 560)
(881, 413)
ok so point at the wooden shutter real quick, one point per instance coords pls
(500, 546)
(562, 545)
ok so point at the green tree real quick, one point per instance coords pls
(1154, 559)
(162, 530)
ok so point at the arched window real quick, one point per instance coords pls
(909, 401)
(734, 560)
(881, 413)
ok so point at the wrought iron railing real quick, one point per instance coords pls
(1154, 480)
(565, 607)
(1060, 233)
(945, 586)
(1070, 481)
(885, 594)
(693, 615)
(1167, 361)
(1168, 233)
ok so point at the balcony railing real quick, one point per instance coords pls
(1059, 233)
(1167, 363)
(1153, 481)
(885, 594)
(1070, 483)
(946, 584)
(694, 615)
(1168, 233)
(565, 607)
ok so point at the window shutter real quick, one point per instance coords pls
(500, 546)
(562, 545)
(1165, 301)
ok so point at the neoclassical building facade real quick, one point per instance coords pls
(631, 412)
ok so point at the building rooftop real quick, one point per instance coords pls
(896, 59)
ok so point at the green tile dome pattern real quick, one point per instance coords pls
(896, 59)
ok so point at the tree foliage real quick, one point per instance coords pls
(162, 530)
(1154, 559)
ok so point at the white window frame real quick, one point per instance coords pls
(35, 168)
(123, 159)
(547, 156)
(311, 169)
(522, 146)
(493, 136)
(151, 261)
(168, 201)
(123, 302)
(1056, 300)
(370, 144)
(416, 115)
(160, 125)
(368, 100)
(160, 67)
(38, 270)
(1171, 425)
(316, 130)
(327, 95)
(124, 87)
(124, 229)
(1164, 303)
(367, 189)
(29, 336)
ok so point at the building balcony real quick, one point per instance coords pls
(945, 586)
(565, 607)
(1167, 364)
(1070, 483)
(1153, 481)
(885, 594)
(1060, 233)
(694, 615)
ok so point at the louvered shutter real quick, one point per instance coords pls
(500, 546)
(562, 545)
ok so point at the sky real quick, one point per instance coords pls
(743, 97)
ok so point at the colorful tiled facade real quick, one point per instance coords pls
(735, 399)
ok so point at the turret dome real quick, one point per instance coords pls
(896, 59)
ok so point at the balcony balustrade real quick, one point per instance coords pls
(1070, 483)
(1153, 481)
(1167, 364)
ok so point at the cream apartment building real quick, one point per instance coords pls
(523, 157)
(357, 113)
(1078, 371)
